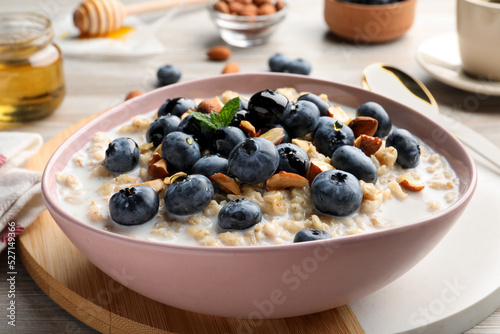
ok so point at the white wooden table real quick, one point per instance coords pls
(94, 85)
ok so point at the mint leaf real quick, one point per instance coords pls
(227, 113)
(205, 119)
(218, 120)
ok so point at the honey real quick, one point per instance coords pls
(31, 70)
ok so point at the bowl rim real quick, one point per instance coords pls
(247, 19)
(52, 202)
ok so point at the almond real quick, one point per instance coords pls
(409, 184)
(222, 7)
(363, 125)
(266, 9)
(219, 53)
(249, 10)
(231, 68)
(280, 4)
(339, 114)
(226, 183)
(236, 7)
(369, 145)
(134, 93)
(262, 2)
(168, 180)
(316, 167)
(158, 170)
(207, 106)
(156, 184)
(249, 129)
(275, 135)
(284, 180)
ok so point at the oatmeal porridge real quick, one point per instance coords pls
(254, 184)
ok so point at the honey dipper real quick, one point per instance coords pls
(96, 18)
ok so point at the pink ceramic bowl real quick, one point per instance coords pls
(265, 281)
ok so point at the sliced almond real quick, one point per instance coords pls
(369, 145)
(409, 184)
(316, 167)
(307, 146)
(158, 150)
(226, 183)
(339, 114)
(168, 180)
(156, 184)
(284, 180)
(275, 135)
(186, 114)
(249, 129)
(158, 169)
(155, 157)
(363, 125)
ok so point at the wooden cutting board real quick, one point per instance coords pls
(74, 283)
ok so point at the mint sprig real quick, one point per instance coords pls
(223, 118)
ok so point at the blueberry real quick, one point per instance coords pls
(188, 195)
(286, 138)
(375, 110)
(351, 159)
(293, 159)
(161, 127)
(322, 105)
(331, 134)
(302, 119)
(309, 234)
(299, 66)
(122, 155)
(134, 205)
(267, 105)
(199, 131)
(168, 74)
(254, 160)
(336, 193)
(243, 104)
(279, 63)
(239, 214)
(177, 107)
(407, 147)
(241, 115)
(224, 139)
(209, 165)
(180, 150)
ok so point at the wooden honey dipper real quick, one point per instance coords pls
(95, 18)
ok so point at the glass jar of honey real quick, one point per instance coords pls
(31, 71)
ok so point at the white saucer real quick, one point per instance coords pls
(440, 57)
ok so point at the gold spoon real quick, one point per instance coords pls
(395, 84)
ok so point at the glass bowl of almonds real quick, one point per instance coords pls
(247, 23)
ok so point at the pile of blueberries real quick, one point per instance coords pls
(191, 147)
